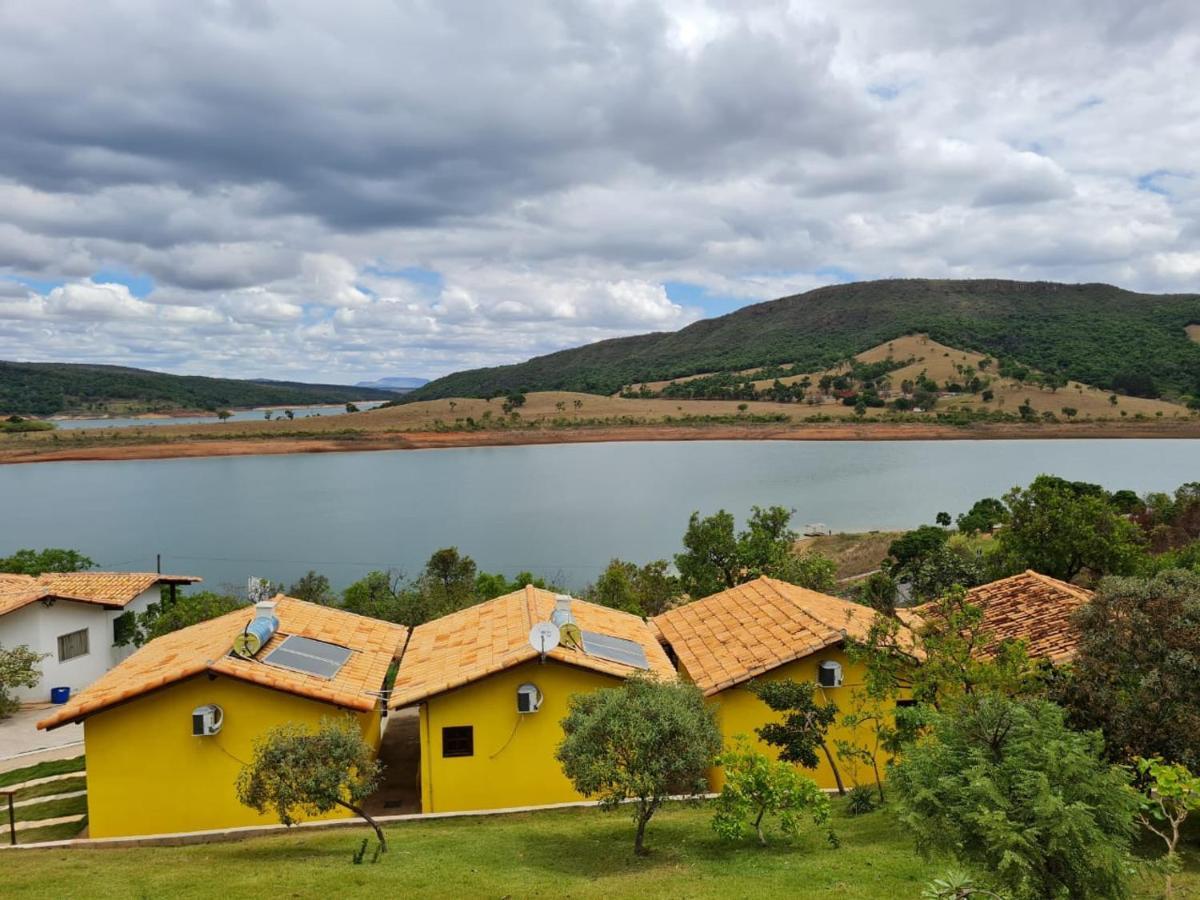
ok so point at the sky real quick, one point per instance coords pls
(344, 191)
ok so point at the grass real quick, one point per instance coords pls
(855, 554)
(63, 831)
(52, 809)
(578, 853)
(42, 770)
(50, 788)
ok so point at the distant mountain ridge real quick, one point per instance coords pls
(399, 384)
(1092, 333)
(45, 389)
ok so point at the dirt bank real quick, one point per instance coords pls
(44, 451)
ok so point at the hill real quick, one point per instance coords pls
(45, 389)
(1097, 334)
(398, 384)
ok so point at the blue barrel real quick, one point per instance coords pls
(60, 694)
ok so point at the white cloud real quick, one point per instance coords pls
(389, 188)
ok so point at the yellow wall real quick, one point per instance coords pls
(740, 712)
(510, 767)
(147, 774)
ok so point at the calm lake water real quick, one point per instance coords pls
(561, 511)
(239, 415)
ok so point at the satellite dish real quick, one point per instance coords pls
(570, 636)
(543, 637)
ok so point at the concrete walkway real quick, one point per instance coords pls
(21, 744)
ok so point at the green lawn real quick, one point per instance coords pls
(51, 809)
(49, 788)
(577, 853)
(42, 770)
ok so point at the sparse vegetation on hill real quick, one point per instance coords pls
(1094, 333)
(45, 389)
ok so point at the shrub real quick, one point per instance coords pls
(757, 786)
(860, 800)
(1005, 785)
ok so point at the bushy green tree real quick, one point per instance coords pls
(449, 581)
(983, 516)
(296, 772)
(1006, 786)
(642, 590)
(806, 719)
(378, 595)
(314, 588)
(18, 668)
(757, 786)
(908, 551)
(52, 559)
(944, 568)
(716, 558)
(1136, 672)
(169, 615)
(643, 742)
(1062, 528)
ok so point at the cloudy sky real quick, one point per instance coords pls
(337, 191)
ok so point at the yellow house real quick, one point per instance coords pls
(771, 630)
(490, 704)
(167, 731)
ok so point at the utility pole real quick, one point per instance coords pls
(158, 563)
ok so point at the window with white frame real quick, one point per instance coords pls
(72, 645)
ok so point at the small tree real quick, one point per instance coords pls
(1006, 786)
(351, 408)
(312, 587)
(642, 741)
(52, 559)
(223, 414)
(806, 720)
(18, 668)
(1174, 793)
(166, 615)
(295, 772)
(757, 786)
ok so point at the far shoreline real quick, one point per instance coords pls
(188, 448)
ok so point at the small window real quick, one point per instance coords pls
(905, 704)
(458, 740)
(73, 645)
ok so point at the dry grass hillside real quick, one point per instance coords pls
(1194, 332)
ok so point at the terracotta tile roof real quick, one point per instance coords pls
(104, 588)
(492, 636)
(745, 631)
(1031, 607)
(205, 648)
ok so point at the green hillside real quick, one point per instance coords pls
(1093, 333)
(44, 389)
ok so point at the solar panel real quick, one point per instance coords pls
(303, 654)
(615, 649)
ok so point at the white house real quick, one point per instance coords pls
(75, 618)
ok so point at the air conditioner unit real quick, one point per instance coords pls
(529, 698)
(206, 720)
(829, 674)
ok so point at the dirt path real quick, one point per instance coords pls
(429, 440)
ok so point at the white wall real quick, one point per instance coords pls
(138, 605)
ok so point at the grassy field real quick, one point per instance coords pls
(575, 853)
(42, 770)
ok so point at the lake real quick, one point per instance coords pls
(239, 415)
(561, 511)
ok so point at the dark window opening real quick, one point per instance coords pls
(458, 740)
(904, 704)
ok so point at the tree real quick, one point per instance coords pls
(294, 772)
(642, 590)
(449, 581)
(223, 414)
(1134, 675)
(1174, 793)
(943, 569)
(1006, 786)
(351, 408)
(1062, 528)
(942, 519)
(984, 516)
(757, 786)
(710, 562)
(910, 549)
(378, 595)
(166, 615)
(312, 587)
(643, 741)
(52, 559)
(18, 668)
(807, 570)
(806, 720)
